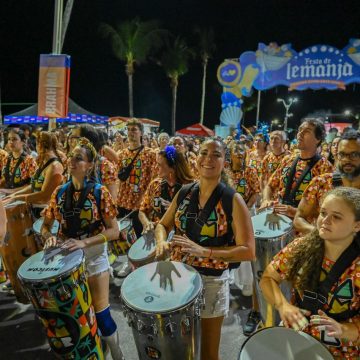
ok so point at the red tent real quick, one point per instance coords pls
(196, 129)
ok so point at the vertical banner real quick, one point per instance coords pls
(54, 80)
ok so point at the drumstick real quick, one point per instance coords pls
(126, 216)
(247, 130)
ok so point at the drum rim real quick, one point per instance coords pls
(134, 308)
(149, 256)
(283, 327)
(50, 279)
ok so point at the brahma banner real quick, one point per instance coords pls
(54, 80)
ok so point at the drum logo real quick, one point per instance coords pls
(149, 299)
(152, 353)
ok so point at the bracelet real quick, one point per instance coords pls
(104, 237)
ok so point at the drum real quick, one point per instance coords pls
(19, 243)
(126, 238)
(268, 244)
(162, 302)
(143, 250)
(37, 231)
(281, 343)
(56, 284)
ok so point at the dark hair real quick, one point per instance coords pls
(103, 138)
(351, 134)
(89, 132)
(306, 274)
(18, 132)
(319, 128)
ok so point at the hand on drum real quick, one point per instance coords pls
(73, 244)
(273, 220)
(161, 248)
(188, 246)
(324, 322)
(293, 317)
(50, 242)
(285, 210)
(150, 226)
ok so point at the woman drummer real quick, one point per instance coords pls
(89, 228)
(19, 166)
(224, 237)
(173, 172)
(49, 174)
(331, 294)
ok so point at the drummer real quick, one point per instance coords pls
(296, 171)
(89, 229)
(173, 173)
(49, 174)
(346, 174)
(180, 145)
(211, 247)
(19, 166)
(331, 296)
(3, 222)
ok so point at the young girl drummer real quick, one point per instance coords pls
(224, 237)
(89, 229)
(324, 269)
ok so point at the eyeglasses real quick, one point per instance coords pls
(355, 155)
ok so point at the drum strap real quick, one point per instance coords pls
(290, 190)
(40, 170)
(336, 179)
(165, 194)
(342, 263)
(9, 180)
(72, 211)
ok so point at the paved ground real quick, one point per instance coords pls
(22, 336)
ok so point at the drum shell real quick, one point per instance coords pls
(171, 335)
(127, 237)
(66, 299)
(266, 249)
(143, 251)
(281, 343)
(19, 245)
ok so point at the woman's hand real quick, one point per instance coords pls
(73, 244)
(161, 248)
(293, 317)
(324, 322)
(285, 210)
(189, 246)
(51, 241)
(150, 226)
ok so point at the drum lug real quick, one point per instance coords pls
(140, 325)
(155, 329)
(170, 328)
(186, 324)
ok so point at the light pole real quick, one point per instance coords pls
(287, 107)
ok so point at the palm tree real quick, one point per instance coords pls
(132, 41)
(206, 48)
(175, 61)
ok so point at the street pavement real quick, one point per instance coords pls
(22, 337)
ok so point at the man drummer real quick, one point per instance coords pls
(132, 189)
(347, 174)
(296, 171)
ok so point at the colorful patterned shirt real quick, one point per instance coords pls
(107, 172)
(254, 161)
(246, 182)
(270, 163)
(279, 178)
(151, 202)
(216, 226)
(133, 189)
(23, 172)
(344, 295)
(3, 158)
(88, 215)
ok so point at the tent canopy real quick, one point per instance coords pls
(197, 130)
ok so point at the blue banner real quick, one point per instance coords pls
(316, 67)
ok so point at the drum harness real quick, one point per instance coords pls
(290, 192)
(72, 211)
(314, 301)
(35, 178)
(195, 220)
(9, 180)
(166, 196)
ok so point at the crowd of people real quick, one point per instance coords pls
(159, 181)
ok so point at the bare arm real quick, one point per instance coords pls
(3, 222)
(113, 190)
(304, 211)
(111, 232)
(111, 154)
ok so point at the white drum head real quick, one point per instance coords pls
(161, 287)
(38, 224)
(50, 264)
(279, 343)
(142, 248)
(262, 229)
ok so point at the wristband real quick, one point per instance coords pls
(104, 237)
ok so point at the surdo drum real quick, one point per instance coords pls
(162, 303)
(272, 233)
(55, 282)
(278, 343)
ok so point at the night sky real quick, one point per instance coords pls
(98, 79)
